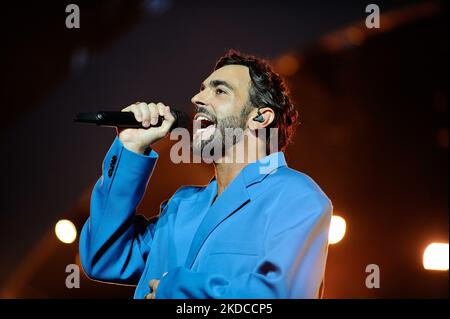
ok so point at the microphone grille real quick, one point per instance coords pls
(181, 119)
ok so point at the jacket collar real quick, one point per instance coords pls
(233, 198)
(257, 171)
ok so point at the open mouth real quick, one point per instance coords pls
(204, 120)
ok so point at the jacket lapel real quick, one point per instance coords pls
(232, 199)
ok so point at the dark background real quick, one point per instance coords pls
(374, 133)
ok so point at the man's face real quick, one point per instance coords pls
(221, 103)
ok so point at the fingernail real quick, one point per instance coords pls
(146, 123)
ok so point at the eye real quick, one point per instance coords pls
(220, 91)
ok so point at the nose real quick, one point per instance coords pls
(198, 99)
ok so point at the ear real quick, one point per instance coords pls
(267, 114)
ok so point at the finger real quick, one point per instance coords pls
(146, 115)
(148, 296)
(168, 115)
(151, 283)
(155, 286)
(160, 107)
(136, 111)
(154, 115)
(169, 119)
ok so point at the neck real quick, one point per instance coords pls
(226, 173)
(226, 170)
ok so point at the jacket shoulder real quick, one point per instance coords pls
(186, 192)
(301, 196)
(293, 182)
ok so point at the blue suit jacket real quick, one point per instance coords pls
(265, 236)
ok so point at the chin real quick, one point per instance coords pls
(209, 151)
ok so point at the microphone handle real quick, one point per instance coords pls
(116, 119)
(123, 120)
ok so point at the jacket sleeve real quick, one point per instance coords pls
(293, 264)
(115, 242)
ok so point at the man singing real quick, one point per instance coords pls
(255, 231)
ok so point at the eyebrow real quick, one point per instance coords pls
(216, 83)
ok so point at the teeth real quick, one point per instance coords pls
(201, 117)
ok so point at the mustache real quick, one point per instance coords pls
(204, 110)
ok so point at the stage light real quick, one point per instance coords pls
(337, 229)
(435, 257)
(355, 35)
(288, 64)
(66, 231)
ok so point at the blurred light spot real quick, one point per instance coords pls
(355, 36)
(388, 22)
(157, 7)
(337, 229)
(66, 231)
(331, 42)
(79, 59)
(287, 64)
(78, 260)
(442, 137)
(435, 257)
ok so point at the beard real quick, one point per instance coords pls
(227, 133)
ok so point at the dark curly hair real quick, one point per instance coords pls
(267, 89)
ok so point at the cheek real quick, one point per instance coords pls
(226, 107)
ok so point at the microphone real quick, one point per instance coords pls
(127, 119)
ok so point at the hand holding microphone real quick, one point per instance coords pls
(139, 124)
(138, 139)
